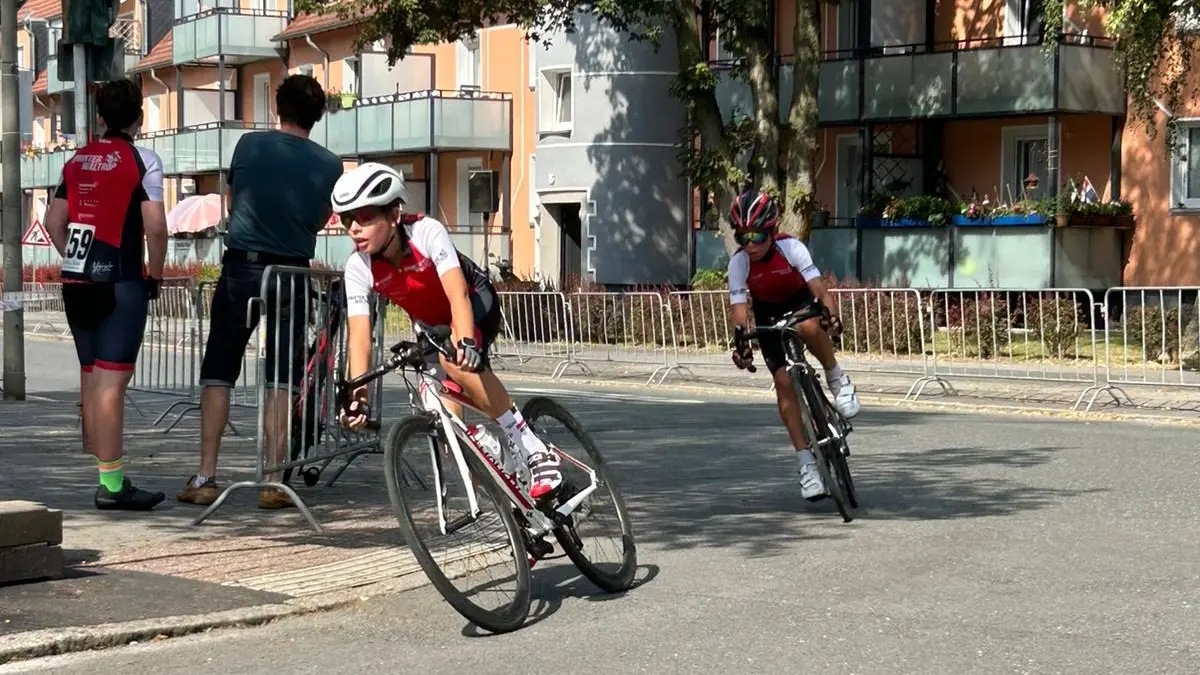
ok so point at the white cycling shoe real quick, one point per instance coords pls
(845, 398)
(811, 486)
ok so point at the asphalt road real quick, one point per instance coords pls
(988, 545)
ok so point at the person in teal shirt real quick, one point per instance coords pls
(280, 183)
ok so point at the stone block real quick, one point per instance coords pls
(23, 522)
(30, 562)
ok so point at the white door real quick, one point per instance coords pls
(462, 217)
(262, 99)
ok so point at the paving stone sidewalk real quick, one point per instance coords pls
(130, 566)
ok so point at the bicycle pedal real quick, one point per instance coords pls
(540, 548)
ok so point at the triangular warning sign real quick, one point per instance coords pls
(36, 235)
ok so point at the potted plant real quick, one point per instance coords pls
(1123, 214)
(919, 211)
(333, 101)
(347, 99)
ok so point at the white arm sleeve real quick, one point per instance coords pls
(431, 238)
(739, 276)
(152, 182)
(359, 282)
(798, 255)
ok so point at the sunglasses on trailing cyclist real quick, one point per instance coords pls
(751, 237)
(360, 215)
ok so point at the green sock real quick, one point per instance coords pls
(112, 474)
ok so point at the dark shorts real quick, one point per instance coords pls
(771, 344)
(485, 306)
(107, 322)
(229, 331)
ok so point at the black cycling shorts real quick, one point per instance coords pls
(771, 344)
(229, 328)
(485, 307)
(107, 322)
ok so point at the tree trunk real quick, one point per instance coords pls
(705, 113)
(764, 91)
(802, 121)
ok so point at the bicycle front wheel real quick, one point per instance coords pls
(608, 560)
(823, 444)
(452, 545)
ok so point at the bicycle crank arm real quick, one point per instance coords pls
(459, 523)
(574, 502)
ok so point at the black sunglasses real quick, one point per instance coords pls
(751, 237)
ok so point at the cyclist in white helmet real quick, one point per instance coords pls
(410, 260)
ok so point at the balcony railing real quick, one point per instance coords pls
(53, 84)
(1077, 75)
(200, 148)
(419, 121)
(239, 35)
(44, 170)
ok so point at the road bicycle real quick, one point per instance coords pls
(824, 426)
(490, 468)
(309, 420)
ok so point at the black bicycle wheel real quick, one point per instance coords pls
(613, 577)
(838, 427)
(824, 444)
(404, 484)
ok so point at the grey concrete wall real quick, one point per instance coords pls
(621, 151)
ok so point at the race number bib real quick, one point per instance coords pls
(79, 243)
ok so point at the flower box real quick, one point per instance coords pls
(869, 222)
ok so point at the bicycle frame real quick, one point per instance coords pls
(430, 391)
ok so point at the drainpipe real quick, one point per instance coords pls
(325, 68)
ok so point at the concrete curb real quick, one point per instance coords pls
(55, 641)
(1006, 407)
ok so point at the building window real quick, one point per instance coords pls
(350, 74)
(555, 101)
(1025, 152)
(1185, 185)
(470, 63)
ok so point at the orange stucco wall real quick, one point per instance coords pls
(1166, 243)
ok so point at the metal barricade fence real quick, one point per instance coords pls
(537, 325)
(167, 360)
(44, 309)
(295, 383)
(1152, 338)
(1037, 334)
(883, 331)
(701, 327)
(626, 328)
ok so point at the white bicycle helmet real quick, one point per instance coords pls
(369, 184)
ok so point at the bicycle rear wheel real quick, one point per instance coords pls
(823, 444)
(418, 466)
(615, 576)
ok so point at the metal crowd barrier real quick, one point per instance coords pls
(306, 431)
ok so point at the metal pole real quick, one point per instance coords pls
(10, 202)
(81, 95)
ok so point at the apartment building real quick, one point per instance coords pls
(209, 72)
(916, 97)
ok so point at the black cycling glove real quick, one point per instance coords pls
(469, 355)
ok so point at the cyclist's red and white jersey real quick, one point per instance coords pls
(415, 285)
(105, 184)
(780, 277)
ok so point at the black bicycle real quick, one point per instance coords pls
(824, 426)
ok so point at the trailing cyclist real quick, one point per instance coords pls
(410, 260)
(776, 271)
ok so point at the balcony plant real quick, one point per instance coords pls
(885, 210)
(336, 100)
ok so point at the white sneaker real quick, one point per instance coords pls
(811, 487)
(845, 398)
